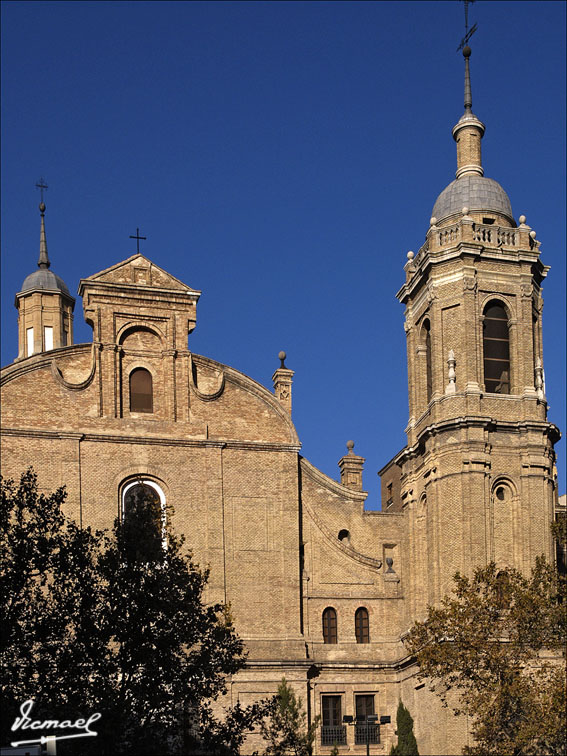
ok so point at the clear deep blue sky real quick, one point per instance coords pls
(282, 157)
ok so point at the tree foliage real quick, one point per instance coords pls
(114, 624)
(498, 643)
(286, 730)
(407, 744)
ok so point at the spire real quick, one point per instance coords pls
(43, 261)
(468, 94)
(469, 131)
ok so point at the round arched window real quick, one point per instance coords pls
(142, 530)
(141, 391)
(329, 625)
(361, 625)
(496, 348)
(426, 341)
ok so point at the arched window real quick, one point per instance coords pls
(496, 348)
(141, 393)
(142, 531)
(502, 590)
(329, 625)
(361, 625)
(426, 339)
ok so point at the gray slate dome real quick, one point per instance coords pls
(475, 192)
(44, 279)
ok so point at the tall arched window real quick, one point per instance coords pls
(142, 531)
(496, 347)
(329, 625)
(361, 625)
(141, 392)
(426, 338)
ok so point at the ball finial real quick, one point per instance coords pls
(467, 51)
(465, 211)
(522, 219)
(410, 255)
(532, 234)
(432, 221)
(350, 445)
(281, 357)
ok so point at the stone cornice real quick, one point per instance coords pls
(419, 268)
(152, 440)
(478, 421)
(398, 664)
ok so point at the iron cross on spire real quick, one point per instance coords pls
(41, 185)
(468, 32)
(137, 238)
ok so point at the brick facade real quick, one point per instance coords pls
(285, 542)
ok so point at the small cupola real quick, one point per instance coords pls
(45, 306)
(471, 188)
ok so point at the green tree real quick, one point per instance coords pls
(53, 636)
(286, 730)
(498, 643)
(113, 624)
(407, 744)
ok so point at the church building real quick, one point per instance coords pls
(321, 589)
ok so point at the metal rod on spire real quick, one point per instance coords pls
(468, 91)
(43, 261)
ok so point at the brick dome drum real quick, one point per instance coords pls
(475, 192)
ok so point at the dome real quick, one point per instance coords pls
(44, 279)
(475, 192)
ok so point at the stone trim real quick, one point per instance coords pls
(332, 485)
(58, 375)
(39, 361)
(157, 441)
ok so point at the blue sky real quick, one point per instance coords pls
(282, 157)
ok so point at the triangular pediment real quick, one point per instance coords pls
(138, 271)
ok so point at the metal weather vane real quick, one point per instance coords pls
(468, 32)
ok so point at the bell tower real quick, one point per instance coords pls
(477, 472)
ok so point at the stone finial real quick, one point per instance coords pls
(465, 212)
(282, 379)
(522, 220)
(433, 221)
(410, 255)
(533, 235)
(351, 466)
(451, 387)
